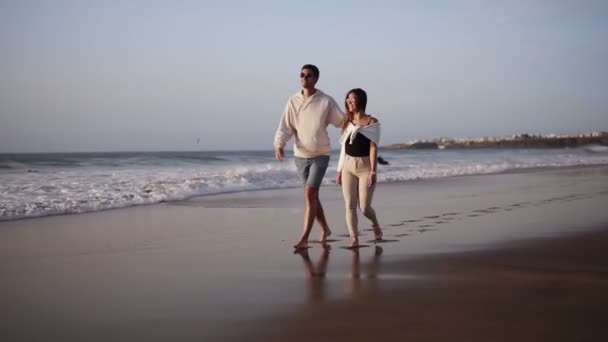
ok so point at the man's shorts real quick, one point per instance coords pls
(312, 170)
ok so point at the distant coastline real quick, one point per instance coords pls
(514, 141)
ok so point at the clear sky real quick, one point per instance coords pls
(157, 75)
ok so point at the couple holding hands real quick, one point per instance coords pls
(305, 118)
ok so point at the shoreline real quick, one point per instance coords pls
(325, 186)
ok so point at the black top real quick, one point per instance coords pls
(359, 147)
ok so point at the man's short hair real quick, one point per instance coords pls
(313, 68)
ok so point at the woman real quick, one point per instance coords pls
(357, 165)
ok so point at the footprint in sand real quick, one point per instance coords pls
(382, 241)
(326, 241)
(473, 215)
(410, 221)
(400, 235)
(395, 225)
(450, 214)
(431, 217)
(425, 225)
(426, 230)
(347, 236)
(354, 247)
(481, 211)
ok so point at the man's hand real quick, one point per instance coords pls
(279, 154)
(339, 178)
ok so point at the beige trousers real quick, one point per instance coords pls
(355, 173)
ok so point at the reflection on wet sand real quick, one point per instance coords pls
(356, 285)
(360, 280)
(316, 273)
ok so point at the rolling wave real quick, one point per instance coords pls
(89, 184)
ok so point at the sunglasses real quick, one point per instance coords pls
(303, 75)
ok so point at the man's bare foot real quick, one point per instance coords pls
(377, 233)
(302, 244)
(324, 235)
(303, 252)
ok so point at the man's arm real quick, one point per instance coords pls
(335, 114)
(283, 134)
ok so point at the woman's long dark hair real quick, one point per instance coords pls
(361, 103)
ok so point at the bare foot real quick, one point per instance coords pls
(325, 234)
(303, 252)
(302, 244)
(377, 233)
(355, 243)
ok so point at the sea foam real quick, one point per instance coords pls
(54, 185)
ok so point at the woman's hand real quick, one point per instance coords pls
(339, 178)
(371, 179)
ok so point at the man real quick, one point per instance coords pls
(306, 117)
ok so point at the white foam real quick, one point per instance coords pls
(86, 189)
(597, 149)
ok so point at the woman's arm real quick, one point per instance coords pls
(373, 157)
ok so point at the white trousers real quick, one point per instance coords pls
(355, 173)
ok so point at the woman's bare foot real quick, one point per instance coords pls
(355, 243)
(302, 244)
(377, 233)
(325, 234)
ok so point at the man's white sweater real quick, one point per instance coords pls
(306, 118)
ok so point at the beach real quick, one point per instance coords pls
(500, 257)
(553, 290)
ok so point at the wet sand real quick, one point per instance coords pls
(551, 289)
(498, 257)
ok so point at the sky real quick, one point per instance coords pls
(78, 76)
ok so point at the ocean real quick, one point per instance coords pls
(35, 185)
